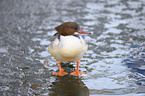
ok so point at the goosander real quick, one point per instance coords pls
(68, 46)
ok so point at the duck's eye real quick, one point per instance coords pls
(75, 28)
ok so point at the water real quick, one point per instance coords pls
(114, 63)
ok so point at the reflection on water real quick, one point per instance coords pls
(114, 63)
(68, 86)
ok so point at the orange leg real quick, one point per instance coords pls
(61, 71)
(77, 72)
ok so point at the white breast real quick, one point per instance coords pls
(68, 48)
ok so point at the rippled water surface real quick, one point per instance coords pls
(114, 62)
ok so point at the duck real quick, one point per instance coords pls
(68, 46)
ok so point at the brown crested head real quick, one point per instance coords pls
(67, 28)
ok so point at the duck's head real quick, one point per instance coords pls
(69, 28)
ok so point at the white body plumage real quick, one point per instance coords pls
(68, 48)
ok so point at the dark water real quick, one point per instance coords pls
(114, 63)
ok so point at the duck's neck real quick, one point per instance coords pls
(76, 35)
(58, 35)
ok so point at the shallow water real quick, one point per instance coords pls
(114, 62)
